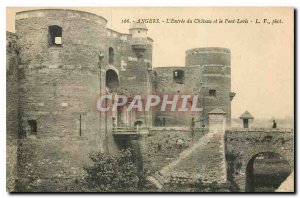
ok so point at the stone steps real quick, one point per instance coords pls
(213, 142)
(201, 143)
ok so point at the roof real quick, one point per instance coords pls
(138, 26)
(217, 111)
(246, 115)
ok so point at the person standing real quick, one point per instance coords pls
(274, 124)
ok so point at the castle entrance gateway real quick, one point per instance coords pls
(112, 84)
(112, 80)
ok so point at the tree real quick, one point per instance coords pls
(112, 173)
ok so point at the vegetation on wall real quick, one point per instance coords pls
(112, 172)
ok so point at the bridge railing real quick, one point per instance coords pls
(125, 130)
(129, 130)
(266, 130)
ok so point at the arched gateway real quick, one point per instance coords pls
(266, 171)
(257, 151)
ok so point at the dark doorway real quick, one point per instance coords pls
(33, 127)
(265, 172)
(245, 123)
(164, 122)
(157, 122)
(112, 80)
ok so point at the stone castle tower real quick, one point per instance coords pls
(61, 61)
(62, 74)
(207, 73)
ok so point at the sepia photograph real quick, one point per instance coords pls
(150, 99)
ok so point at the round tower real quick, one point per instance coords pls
(57, 38)
(59, 60)
(60, 79)
(213, 66)
(139, 41)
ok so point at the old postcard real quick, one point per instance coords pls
(150, 99)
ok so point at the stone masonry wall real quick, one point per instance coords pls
(216, 64)
(163, 145)
(164, 84)
(60, 86)
(59, 89)
(133, 71)
(12, 106)
(216, 76)
(83, 36)
(248, 143)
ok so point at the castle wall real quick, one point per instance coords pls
(163, 145)
(12, 84)
(207, 56)
(216, 76)
(246, 144)
(12, 106)
(60, 82)
(59, 88)
(55, 89)
(164, 84)
(83, 36)
(133, 70)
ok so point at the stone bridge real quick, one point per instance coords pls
(222, 155)
(249, 143)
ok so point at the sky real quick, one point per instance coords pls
(262, 55)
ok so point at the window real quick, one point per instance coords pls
(178, 76)
(212, 92)
(33, 127)
(164, 122)
(55, 35)
(111, 55)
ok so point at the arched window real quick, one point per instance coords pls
(111, 56)
(55, 35)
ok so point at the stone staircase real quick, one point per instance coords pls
(204, 160)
